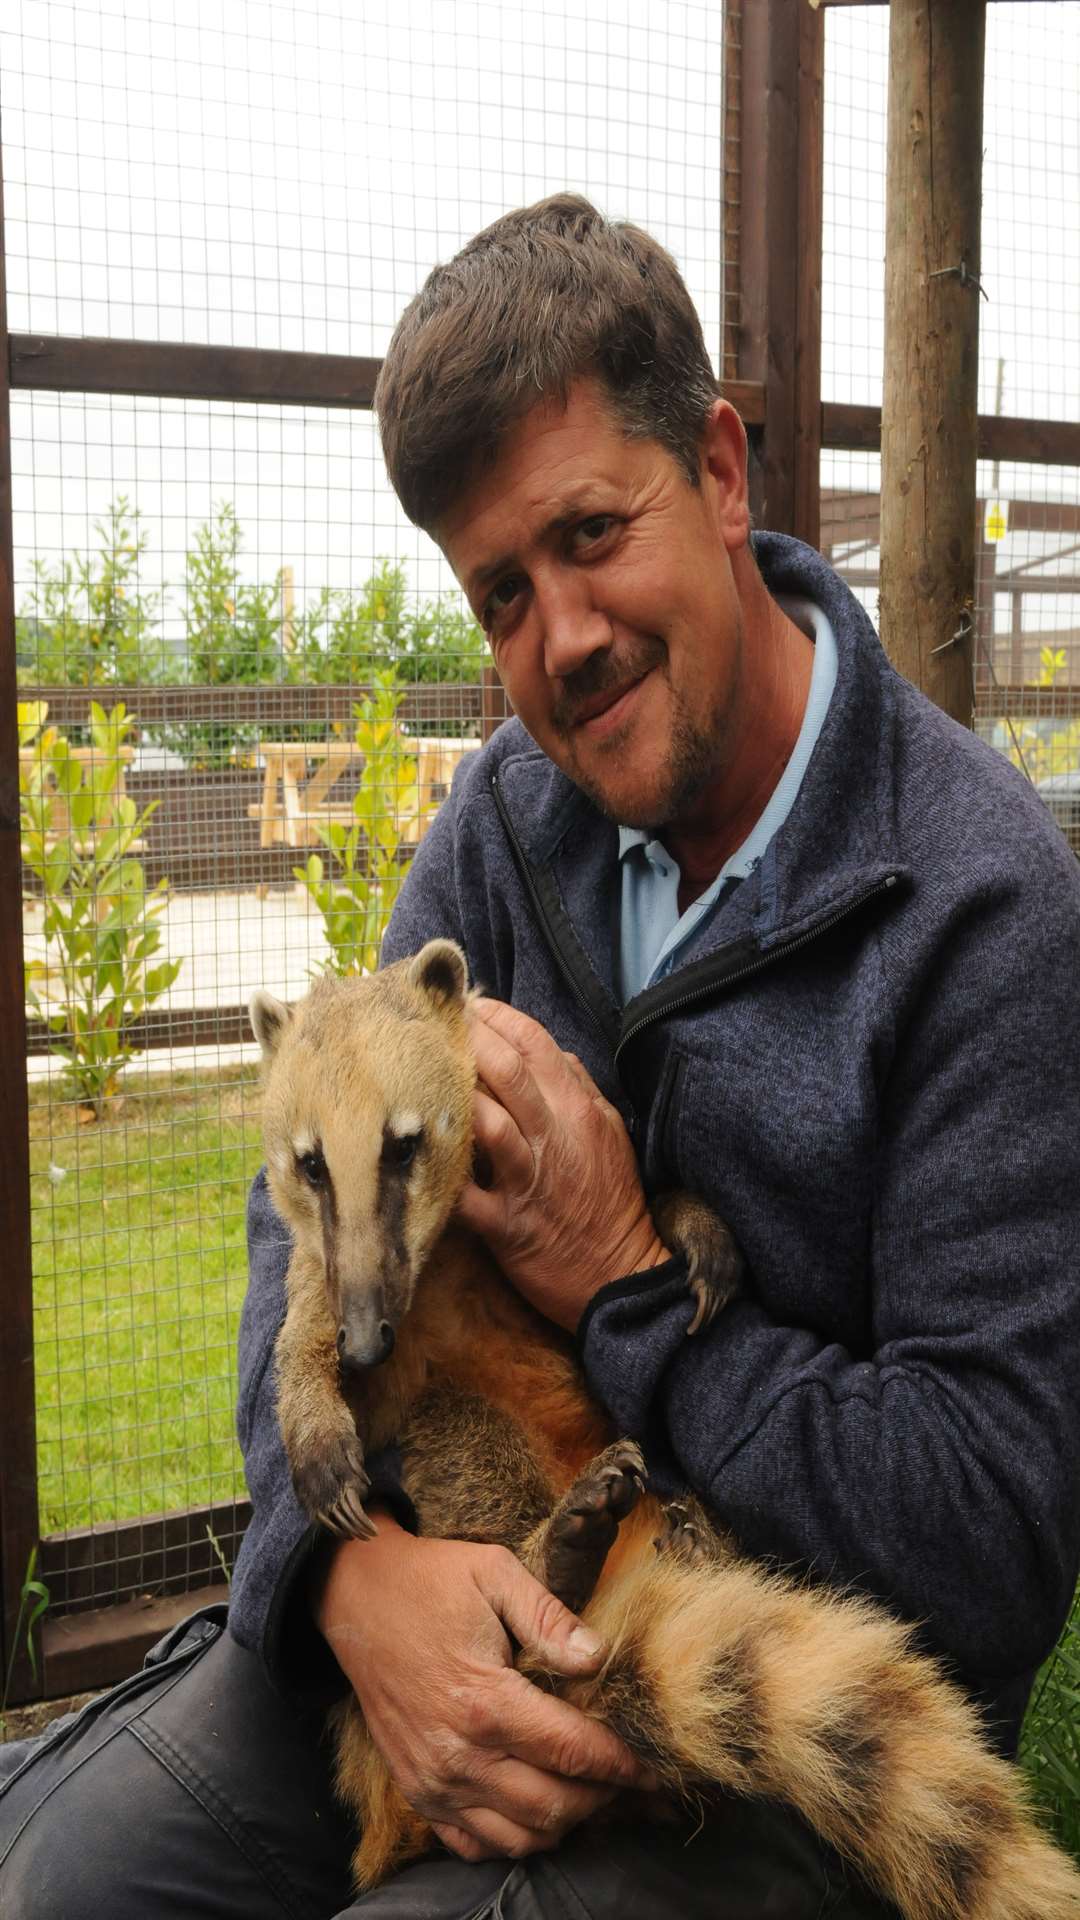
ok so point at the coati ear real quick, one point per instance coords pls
(439, 970)
(269, 1019)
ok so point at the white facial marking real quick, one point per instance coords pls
(406, 1122)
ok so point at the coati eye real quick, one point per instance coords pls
(313, 1167)
(399, 1149)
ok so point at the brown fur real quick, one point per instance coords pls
(719, 1674)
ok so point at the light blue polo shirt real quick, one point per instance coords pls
(651, 931)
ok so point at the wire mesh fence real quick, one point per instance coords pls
(238, 576)
(239, 580)
(1027, 645)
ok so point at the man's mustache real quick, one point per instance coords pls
(604, 672)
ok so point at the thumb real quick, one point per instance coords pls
(539, 1622)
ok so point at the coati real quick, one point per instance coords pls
(719, 1674)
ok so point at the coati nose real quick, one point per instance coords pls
(366, 1348)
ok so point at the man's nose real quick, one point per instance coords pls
(574, 626)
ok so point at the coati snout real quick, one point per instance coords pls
(365, 1165)
(364, 1338)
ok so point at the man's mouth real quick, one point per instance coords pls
(599, 712)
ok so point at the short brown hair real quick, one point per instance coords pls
(545, 295)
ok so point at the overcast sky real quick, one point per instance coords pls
(288, 180)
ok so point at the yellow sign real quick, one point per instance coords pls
(996, 524)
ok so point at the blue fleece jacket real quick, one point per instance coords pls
(869, 1062)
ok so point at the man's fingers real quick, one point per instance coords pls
(484, 1835)
(551, 1734)
(456, 1840)
(518, 1030)
(541, 1802)
(535, 1618)
(538, 1728)
(499, 1137)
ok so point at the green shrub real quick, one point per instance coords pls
(100, 919)
(355, 892)
(86, 622)
(352, 637)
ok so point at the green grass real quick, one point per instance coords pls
(1050, 1747)
(139, 1274)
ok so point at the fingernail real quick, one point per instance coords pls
(585, 1643)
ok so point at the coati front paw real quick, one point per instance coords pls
(331, 1489)
(714, 1263)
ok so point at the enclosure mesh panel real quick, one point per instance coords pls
(278, 176)
(1027, 663)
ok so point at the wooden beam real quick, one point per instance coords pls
(18, 1453)
(172, 1026)
(85, 1651)
(273, 705)
(781, 172)
(731, 201)
(1048, 443)
(171, 370)
(932, 296)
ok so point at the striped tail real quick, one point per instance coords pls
(723, 1675)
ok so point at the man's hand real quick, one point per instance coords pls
(565, 1211)
(421, 1628)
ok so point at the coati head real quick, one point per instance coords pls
(367, 1120)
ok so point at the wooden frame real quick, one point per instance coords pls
(18, 1451)
(781, 115)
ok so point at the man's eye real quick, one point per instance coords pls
(313, 1167)
(588, 532)
(500, 598)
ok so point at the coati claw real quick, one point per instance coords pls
(714, 1263)
(347, 1519)
(332, 1489)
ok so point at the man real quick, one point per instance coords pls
(755, 919)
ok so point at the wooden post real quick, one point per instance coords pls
(932, 296)
(18, 1455)
(288, 612)
(781, 168)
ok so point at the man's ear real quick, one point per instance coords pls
(724, 472)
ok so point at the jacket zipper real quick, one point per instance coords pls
(757, 965)
(538, 907)
(686, 998)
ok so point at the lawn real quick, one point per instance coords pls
(139, 1275)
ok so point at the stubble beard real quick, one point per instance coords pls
(700, 748)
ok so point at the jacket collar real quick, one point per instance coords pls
(838, 842)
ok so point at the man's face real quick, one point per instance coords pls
(605, 584)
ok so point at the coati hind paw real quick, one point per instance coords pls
(332, 1489)
(714, 1263)
(581, 1531)
(684, 1538)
